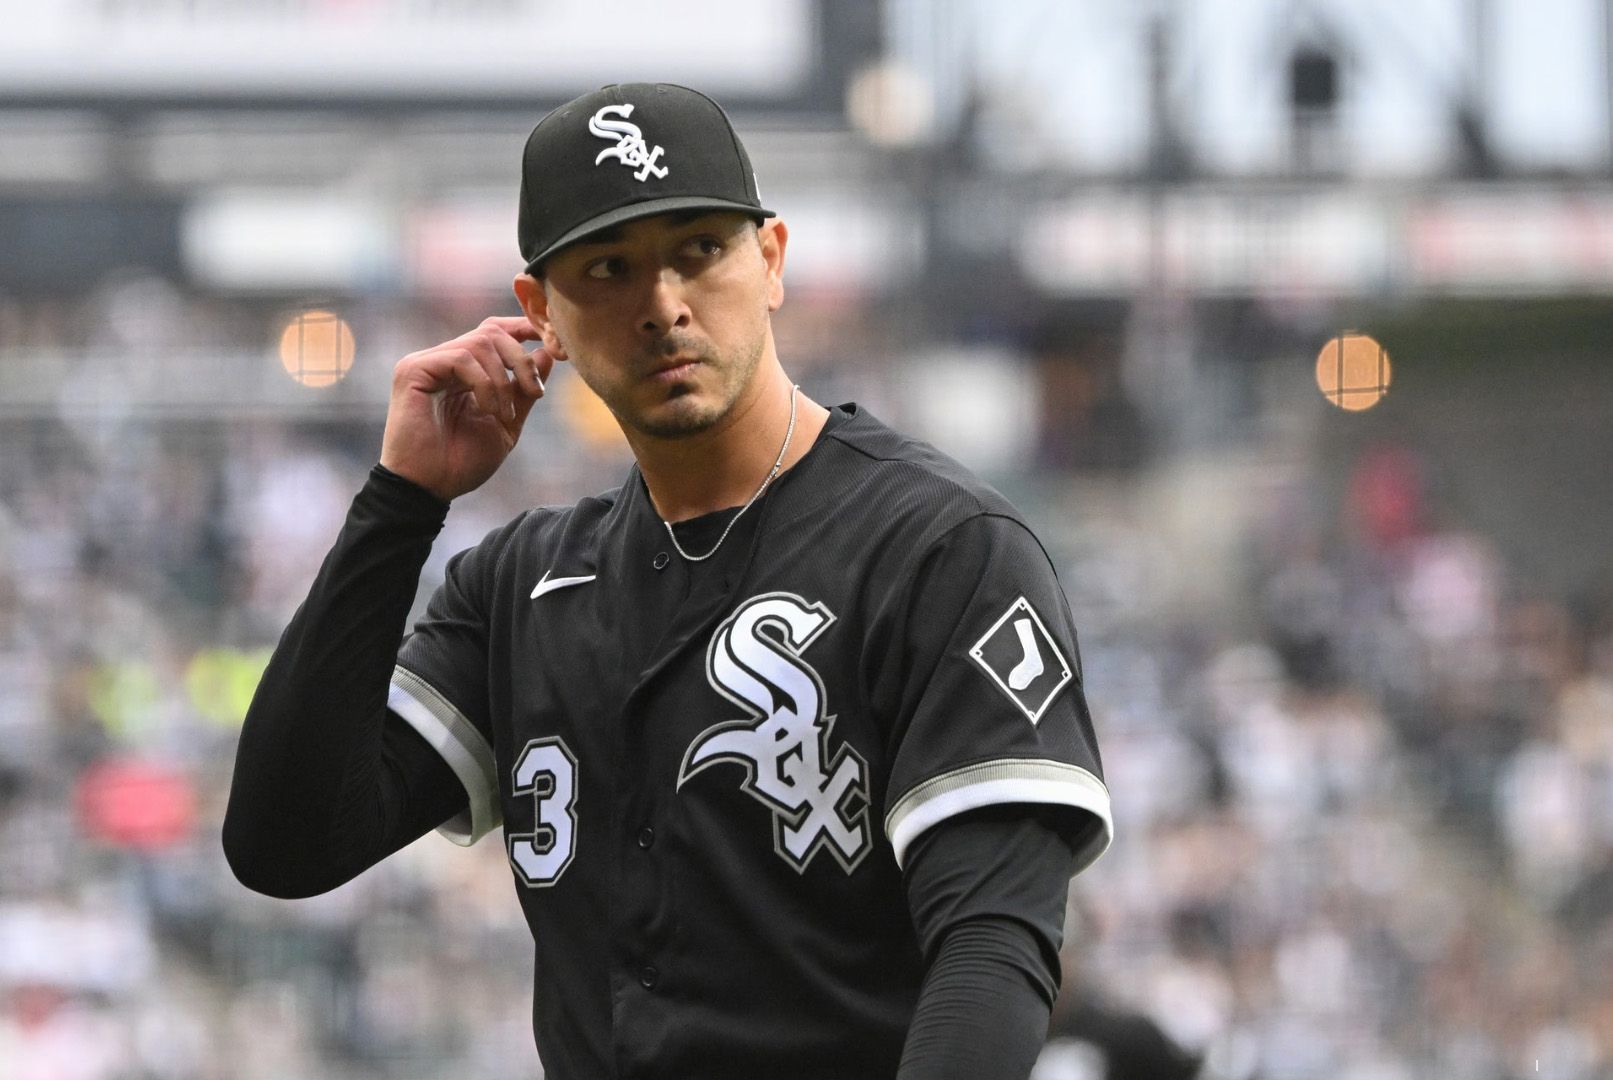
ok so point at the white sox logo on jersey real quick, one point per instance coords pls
(819, 800)
(630, 149)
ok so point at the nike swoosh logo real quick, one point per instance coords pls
(546, 584)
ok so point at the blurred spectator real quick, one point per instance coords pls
(1090, 1037)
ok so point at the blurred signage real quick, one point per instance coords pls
(280, 239)
(1544, 241)
(1496, 240)
(308, 48)
(854, 242)
(1210, 242)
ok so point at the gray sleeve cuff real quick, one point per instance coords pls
(461, 746)
(994, 783)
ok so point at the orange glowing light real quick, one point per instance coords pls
(316, 348)
(1352, 371)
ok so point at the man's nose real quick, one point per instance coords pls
(665, 307)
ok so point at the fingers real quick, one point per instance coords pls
(517, 326)
(537, 367)
(504, 336)
(481, 347)
(471, 372)
(489, 362)
(525, 366)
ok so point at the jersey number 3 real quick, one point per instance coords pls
(547, 770)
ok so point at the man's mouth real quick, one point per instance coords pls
(674, 368)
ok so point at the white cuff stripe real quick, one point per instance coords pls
(461, 746)
(995, 783)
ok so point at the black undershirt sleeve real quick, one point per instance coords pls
(327, 781)
(988, 890)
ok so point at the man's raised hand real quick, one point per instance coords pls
(457, 408)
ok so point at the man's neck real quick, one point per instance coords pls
(725, 466)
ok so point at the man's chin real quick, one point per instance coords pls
(680, 415)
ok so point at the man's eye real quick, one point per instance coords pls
(606, 268)
(703, 246)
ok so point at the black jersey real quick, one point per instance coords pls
(708, 773)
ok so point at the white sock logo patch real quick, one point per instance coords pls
(1022, 659)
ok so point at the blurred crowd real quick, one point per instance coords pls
(1370, 819)
(1364, 800)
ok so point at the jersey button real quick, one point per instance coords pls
(661, 560)
(648, 977)
(646, 837)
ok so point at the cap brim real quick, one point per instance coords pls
(647, 208)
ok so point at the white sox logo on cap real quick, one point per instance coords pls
(630, 149)
(563, 200)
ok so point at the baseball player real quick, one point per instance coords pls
(786, 734)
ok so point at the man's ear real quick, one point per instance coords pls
(535, 303)
(773, 237)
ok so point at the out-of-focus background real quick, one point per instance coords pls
(1344, 600)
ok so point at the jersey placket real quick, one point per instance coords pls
(681, 599)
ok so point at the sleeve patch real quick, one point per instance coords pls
(1022, 659)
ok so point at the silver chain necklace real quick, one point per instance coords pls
(773, 472)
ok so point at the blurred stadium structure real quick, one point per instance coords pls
(1353, 671)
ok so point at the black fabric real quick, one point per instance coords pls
(1011, 861)
(703, 772)
(988, 890)
(582, 170)
(981, 1014)
(327, 782)
(956, 708)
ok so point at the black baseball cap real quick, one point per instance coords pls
(628, 151)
